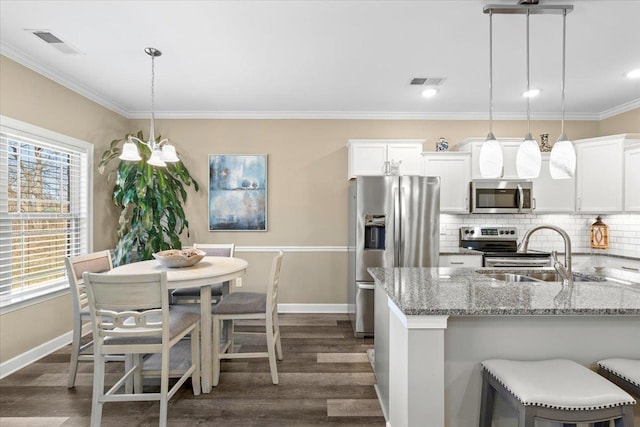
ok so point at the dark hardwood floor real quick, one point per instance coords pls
(325, 379)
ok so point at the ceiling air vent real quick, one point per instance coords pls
(427, 81)
(54, 41)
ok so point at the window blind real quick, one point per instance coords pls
(44, 211)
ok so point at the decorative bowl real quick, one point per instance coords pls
(178, 258)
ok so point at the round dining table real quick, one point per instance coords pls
(209, 271)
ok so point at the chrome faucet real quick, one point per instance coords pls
(563, 270)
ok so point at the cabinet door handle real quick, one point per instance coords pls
(630, 268)
(456, 262)
(579, 203)
(535, 204)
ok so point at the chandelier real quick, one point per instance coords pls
(161, 152)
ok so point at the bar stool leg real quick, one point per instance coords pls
(526, 416)
(486, 401)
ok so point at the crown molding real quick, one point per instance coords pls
(628, 106)
(27, 61)
(353, 115)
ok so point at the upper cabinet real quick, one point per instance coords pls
(454, 170)
(599, 173)
(552, 195)
(632, 177)
(368, 156)
(509, 151)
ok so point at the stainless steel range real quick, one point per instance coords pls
(500, 247)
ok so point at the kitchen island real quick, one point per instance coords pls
(435, 325)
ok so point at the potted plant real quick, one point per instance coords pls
(151, 199)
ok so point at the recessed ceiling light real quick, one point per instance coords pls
(429, 92)
(531, 93)
(634, 74)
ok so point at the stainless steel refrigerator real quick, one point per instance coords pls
(394, 221)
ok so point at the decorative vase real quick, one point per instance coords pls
(442, 144)
(544, 143)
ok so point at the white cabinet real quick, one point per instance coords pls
(509, 151)
(367, 156)
(632, 179)
(552, 195)
(599, 173)
(454, 170)
(461, 260)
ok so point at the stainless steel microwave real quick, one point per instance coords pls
(501, 197)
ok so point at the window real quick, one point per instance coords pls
(45, 184)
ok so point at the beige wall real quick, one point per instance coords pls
(628, 122)
(29, 97)
(307, 186)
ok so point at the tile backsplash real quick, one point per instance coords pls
(624, 231)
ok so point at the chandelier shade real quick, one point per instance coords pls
(130, 152)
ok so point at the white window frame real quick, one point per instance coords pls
(22, 130)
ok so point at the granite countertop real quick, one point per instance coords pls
(466, 292)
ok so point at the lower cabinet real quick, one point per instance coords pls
(461, 260)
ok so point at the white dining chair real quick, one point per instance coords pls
(96, 262)
(249, 305)
(218, 290)
(131, 315)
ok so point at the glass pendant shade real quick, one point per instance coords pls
(491, 160)
(156, 158)
(130, 152)
(169, 153)
(562, 162)
(528, 159)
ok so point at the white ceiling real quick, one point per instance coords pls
(323, 59)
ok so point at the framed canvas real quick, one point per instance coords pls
(237, 192)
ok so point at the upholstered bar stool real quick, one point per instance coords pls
(554, 390)
(623, 372)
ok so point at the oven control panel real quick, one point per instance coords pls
(488, 233)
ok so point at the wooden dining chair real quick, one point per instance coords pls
(96, 262)
(249, 305)
(131, 315)
(218, 290)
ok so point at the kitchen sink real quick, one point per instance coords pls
(510, 277)
(550, 276)
(543, 276)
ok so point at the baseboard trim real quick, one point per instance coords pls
(313, 308)
(36, 353)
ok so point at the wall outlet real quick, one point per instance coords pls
(239, 282)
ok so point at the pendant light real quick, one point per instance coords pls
(562, 162)
(161, 152)
(528, 158)
(491, 152)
